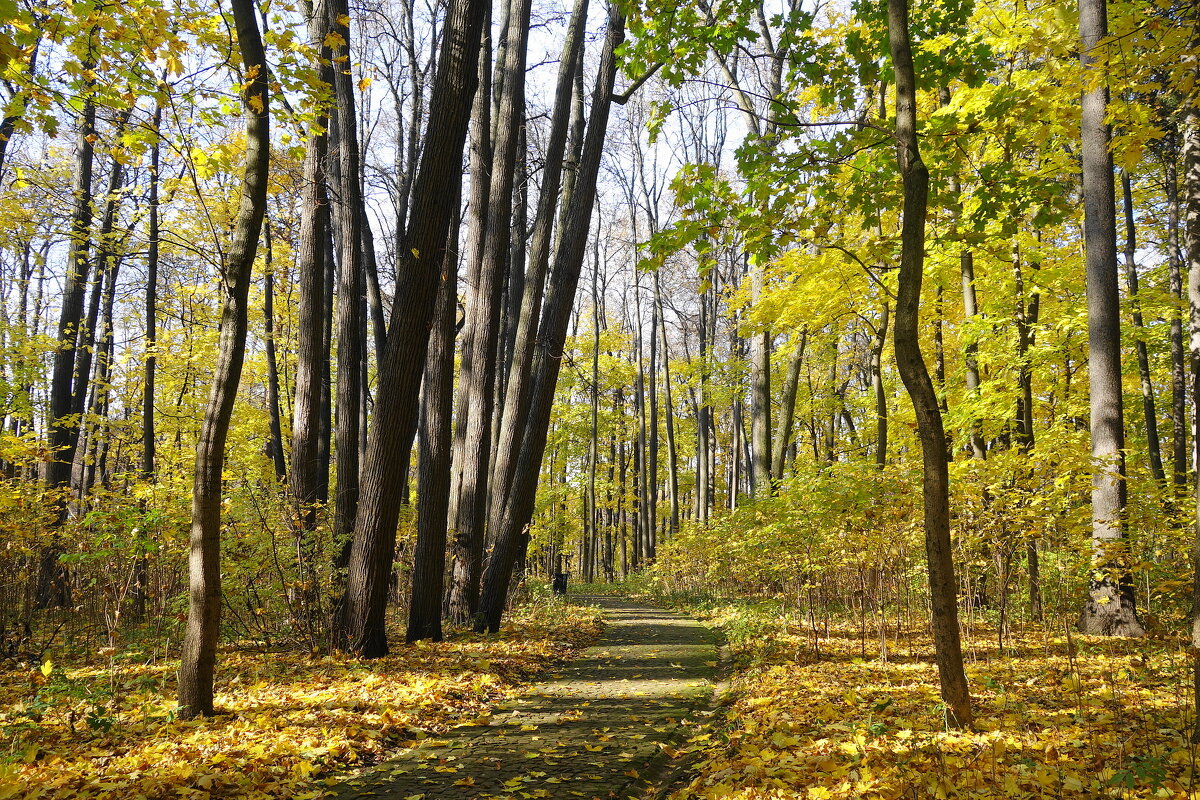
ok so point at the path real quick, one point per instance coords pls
(597, 729)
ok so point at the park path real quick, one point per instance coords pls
(602, 727)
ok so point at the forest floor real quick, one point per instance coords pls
(288, 726)
(607, 725)
(822, 712)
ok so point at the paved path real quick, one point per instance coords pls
(598, 729)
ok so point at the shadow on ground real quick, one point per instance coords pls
(597, 729)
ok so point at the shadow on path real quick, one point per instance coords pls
(595, 730)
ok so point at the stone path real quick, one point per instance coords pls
(601, 728)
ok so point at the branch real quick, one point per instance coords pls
(623, 98)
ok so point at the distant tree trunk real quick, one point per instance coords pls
(399, 375)
(943, 590)
(669, 413)
(877, 388)
(760, 400)
(1110, 608)
(1179, 422)
(433, 475)
(204, 566)
(1153, 446)
(787, 408)
(552, 332)
(1027, 317)
(276, 443)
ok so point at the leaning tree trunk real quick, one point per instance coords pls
(204, 563)
(1110, 609)
(943, 591)
(552, 332)
(403, 361)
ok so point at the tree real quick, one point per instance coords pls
(1110, 608)
(943, 589)
(204, 563)
(402, 362)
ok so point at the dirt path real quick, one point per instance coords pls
(598, 729)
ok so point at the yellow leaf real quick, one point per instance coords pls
(363, 84)
(343, 20)
(334, 40)
(47, 667)
(255, 102)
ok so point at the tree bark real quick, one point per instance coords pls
(195, 695)
(943, 590)
(1110, 608)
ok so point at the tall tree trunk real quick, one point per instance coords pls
(483, 322)
(67, 382)
(551, 337)
(1153, 446)
(943, 590)
(195, 695)
(351, 344)
(1191, 184)
(399, 375)
(312, 354)
(467, 553)
(512, 427)
(149, 466)
(1110, 609)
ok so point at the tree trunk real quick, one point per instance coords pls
(399, 373)
(760, 400)
(483, 322)
(204, 564)
(669, 413)
(1153, 446)
(943, 591)
(1179, 423)
(467, 552)
(512, 427)
(351, 344)
(1110, 609)
(787, 411)
(433, 475)
(275, 446)
(67, 382)
(1191, 183)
